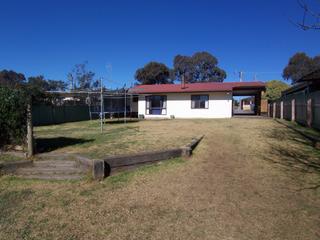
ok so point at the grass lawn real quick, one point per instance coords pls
(86, 139)
(248, 179)
(308, 131)
(10, 158)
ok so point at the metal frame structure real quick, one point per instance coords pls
(97, 100)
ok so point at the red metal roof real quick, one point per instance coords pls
(196, 87)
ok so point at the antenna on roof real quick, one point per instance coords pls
(255, 77)
(241, 76)
(183, 82)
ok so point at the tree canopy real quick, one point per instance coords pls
(274, 89)
(153, 73)
(310, 17)
(200, 67)
(300, 65)
(47, 85)
(12, 79)
(81, 78)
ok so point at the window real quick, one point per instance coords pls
(200, 101)
(135, 99)
(156, 105)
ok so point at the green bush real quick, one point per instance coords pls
(13, 105)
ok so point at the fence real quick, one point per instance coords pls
(302, 107)
(46, 115)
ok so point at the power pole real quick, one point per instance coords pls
(101, 106)
(125, 104)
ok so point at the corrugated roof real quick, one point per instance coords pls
(315, 75)
(197, 87)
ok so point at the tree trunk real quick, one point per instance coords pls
(29, 130)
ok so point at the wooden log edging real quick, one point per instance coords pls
(193, 144)
(100, 169)
(123, 162)
(95, 167)
(10, 167)
(315, 141)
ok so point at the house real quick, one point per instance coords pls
(195, 100)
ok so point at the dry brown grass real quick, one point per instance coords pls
(85, 137)
(248, 179)
(5, 157)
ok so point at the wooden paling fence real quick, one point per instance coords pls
(302, 107)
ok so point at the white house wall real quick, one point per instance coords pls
(179, 105)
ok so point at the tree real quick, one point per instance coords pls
(38, 82)
(183, 67)
(310, 18)
(299, 66)
(47, 85)
(274, 89)
(153, 73)
(13, 106)
(200, 67)
(56, 85)
(81, 78)
(11, 79)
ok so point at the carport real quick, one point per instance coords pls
(247, 99)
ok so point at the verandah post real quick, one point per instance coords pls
(309, 112)
(274, 109)
(293, 110)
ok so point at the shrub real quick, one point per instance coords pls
(13, 105)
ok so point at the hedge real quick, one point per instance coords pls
(13, 104)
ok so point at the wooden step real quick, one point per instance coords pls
(51, 169)
(44, 170)
(53, 163)
(52, 177)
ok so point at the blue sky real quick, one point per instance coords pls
(49, 37)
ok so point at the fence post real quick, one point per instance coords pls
(281, 110)
(29, 129)
(309, 112)
(274, 109)
(293, 110)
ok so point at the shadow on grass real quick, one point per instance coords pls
(293, 152)
(50, 144)
(299, 156)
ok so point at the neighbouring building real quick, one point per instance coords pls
(196, 100)
(300, 103)
(247, 104)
